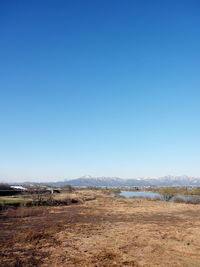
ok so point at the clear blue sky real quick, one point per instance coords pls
(102, 87)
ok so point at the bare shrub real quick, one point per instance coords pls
(167, 197)
(179, 200)
(68, 188)
(194, 201)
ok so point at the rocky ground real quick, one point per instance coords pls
(104, 231)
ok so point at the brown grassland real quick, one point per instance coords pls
(102, 232)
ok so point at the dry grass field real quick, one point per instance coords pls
(101, 232)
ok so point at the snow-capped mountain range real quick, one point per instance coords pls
(119, 182)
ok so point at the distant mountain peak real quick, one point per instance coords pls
(86, 177)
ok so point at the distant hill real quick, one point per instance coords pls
(119, 182)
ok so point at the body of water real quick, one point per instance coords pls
(139, 194)
(142, 194)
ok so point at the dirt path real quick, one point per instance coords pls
(104, 232)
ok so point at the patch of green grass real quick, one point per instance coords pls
(11, 201)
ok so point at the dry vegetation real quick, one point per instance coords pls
(179, 191)
(102, 232)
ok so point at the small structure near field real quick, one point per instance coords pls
(18, 187)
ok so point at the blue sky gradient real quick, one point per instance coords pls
(99, 87)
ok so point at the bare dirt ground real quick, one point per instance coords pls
(102, 232)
